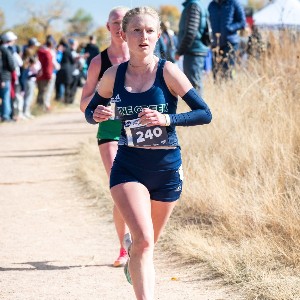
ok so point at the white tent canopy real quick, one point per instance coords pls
(279, 13)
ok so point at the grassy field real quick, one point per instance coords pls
(240, 209)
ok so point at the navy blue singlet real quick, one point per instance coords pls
(129, 105)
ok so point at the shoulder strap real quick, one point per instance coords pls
(105, 63)
(120, 76)
(159, 73)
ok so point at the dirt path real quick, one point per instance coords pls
(54, 244)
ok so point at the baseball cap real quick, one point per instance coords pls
(33, 42)
(8, 37)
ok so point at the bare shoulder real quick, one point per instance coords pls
(171, 69)
(176, 80)
(111, 71)
(106, 83)
(95, 65)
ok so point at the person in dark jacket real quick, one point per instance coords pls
(169, 39)
(191, 27)
(8, 67)
(226, 18)
(65, 74)
(91, 50)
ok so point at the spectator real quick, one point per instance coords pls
(31, 67)
(65, 74)
(44, 76)
(15, 87)
(226, 18)
(160, 49)
(76, 69)
(191, 27)
(56, 67)
(59, 87)
(170, 40)
(91, 50)
(8, 67)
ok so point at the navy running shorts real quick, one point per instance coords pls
(163, 184)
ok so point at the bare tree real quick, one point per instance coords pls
(45, 15)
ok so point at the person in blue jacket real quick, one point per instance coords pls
(191, 28)
(227, 17)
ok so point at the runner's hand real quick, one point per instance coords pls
(102, 113)
(151, 117)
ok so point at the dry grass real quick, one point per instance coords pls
(240, 209)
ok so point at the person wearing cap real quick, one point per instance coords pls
(15, 87)
(8, 67)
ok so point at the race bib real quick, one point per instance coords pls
(141, 136)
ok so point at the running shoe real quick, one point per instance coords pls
(127, 244)
(122, 259)
(127, 241)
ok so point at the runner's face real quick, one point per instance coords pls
(114, 24)
(142, 33)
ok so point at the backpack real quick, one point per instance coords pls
(207, 37)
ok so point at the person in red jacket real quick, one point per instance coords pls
(44, 76)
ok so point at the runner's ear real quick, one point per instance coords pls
(123, 34)
(107, 26)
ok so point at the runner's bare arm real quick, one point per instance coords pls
(179, 85)
(91, 82)
(106, 84)
(176, 80)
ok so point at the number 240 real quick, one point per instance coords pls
(149, 134)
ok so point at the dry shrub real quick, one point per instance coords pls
(240, 210)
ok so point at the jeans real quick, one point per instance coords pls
(28, 97)
(193, 66)
(49, 91)
(43, 86)
(6, 109)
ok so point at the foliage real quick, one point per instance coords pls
(80, 23)
(170, 13)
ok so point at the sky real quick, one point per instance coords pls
(14, 13)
